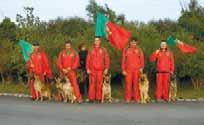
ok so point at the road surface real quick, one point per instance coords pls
(23, 111)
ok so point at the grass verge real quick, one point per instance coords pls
(117, 91)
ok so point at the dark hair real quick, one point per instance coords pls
(68, 42)
(81, 45)
(134, 38)
(163, 40)
(36, 43)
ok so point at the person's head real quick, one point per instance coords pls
(68, 44)
(82, 47)
(133, 42)
(36, 46)
(163, 45)
(97, 42)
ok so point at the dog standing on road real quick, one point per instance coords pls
(173, 89)
(144, 89)
(41, 89)
(106, 89)
(66, 90)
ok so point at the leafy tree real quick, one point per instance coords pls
(27, 23)
(8, 30)
(192, 18)
(92, 8)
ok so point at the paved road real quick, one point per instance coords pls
(18, 111)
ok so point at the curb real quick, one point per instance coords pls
(21, 95)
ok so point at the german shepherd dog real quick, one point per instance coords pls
(66, 90)
(106, 89)
(173, 88)
(144, 89)
(41, 89)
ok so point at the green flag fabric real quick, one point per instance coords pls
(171, 41)
(101, 21)
(26, 49)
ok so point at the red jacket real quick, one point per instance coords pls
(68, 59)
(132, 59)
(165, 61)
(98, 59)
(38, 64)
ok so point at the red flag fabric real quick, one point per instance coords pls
(185, 48)
(117, 36)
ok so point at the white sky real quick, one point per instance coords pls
(141, 10)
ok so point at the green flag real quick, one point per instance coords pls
(171, 41)
(101, 21)
(26, 49)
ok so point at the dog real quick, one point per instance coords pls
(66, 90)
(42, 89)
(106, 88)
(144, 89)
(173, 89)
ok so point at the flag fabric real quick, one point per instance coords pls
(26, 49)
(182, 46)
(101, 21)
(171, 41)
(116, 35)
(185, 48)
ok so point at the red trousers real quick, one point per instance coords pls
(131, 80)
(162, 89)
(95, 85)
(73, 79)
(32, 89)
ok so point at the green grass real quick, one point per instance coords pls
(14, 88)
(184, 93)
(117, 91)
(191, 93)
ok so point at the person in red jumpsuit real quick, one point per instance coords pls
(165, 67)
(67, 63)
(38, 65)
(97, 64)
(132, 66)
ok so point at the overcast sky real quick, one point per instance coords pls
(141, 10)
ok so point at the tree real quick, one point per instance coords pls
(192, 18)
(7, 30)
(70, 27)
(121, 19)
(27, 23)
(92, 8)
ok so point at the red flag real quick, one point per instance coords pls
(117, 36)
(185, 48)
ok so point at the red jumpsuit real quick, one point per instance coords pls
(97, 61)
(132, 62)
(70, 59)
(165, 66)
(38, 65)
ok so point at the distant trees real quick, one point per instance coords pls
(53, 33)
(8, 30)
(192, 18)
(92, 8)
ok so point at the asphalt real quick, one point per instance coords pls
(23, 111)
